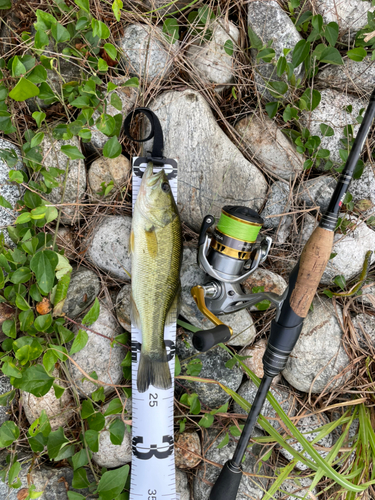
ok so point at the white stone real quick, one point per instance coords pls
(187, 450)
(59, 411)
(332, 112)
(146, 52)
(261, 137)
(98, 355)
(271, 23)
(209, 61)
(76, 178)
(211, 170)
(317, 191)
(11, 192)
(113, 455)
(182, 485)
(106, 170)
(108, 246)
(352, 76)
(123, 306)
(319, 358)
(298, 487)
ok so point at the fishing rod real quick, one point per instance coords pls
(229, 257)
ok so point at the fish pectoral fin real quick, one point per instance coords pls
(174, 310)
(151, 242)
(134, 314)
(131, 242)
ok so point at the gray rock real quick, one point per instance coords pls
(108, 246)
(317, 192)
(146, 52)
(277, 203)
(106, 170)
(332, 111)
(111, 455)
(128, 97)
(157, 4)
(182, 485)
(76, 179)
(319, 356)
(83, 288)
(282, 395)
(350, 15)
(209, 61)
(309, 424)
(213, 367)
(368, 295)
(250, 487)
(352, 76)
(193, 137)
(350, 249)
(263, 138)
(295, 487)
(5, 386)
(12, 192)
(271, 23)
(52, 481)
(123, 306)
(364, 325)
(59, 411)
(98, 355)
(241, 322)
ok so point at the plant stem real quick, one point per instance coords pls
(61, 202)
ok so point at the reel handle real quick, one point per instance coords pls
(205, 339)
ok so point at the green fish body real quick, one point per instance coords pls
(156, 248)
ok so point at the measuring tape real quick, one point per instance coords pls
(153, 463)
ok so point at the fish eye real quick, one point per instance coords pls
(165, 187)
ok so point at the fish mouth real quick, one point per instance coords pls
(151, 178)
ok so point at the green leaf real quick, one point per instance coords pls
(206, 421)
(49, 360)
(80, 459)
(194, 367)
(98, 395)
(331, 33)
(26, 319)
(114, 407)
(4, 203)
(28, 352)
(100, 29)
(116, 101)
(112, 483)
(5, 4)
(266, 54)
(43, 264)
(277, 88)
(255, 41)
(79, 342)
(311, 98)
(41, 39)
(93, 314)
(56, 441)
(332, 56)
(35, 380)
(271, 108)
(18, 68)
(92, 440)
(105, 124)
(177, 367)
(87, 409)
(116, 7)
(171, 29)
(340, 281)
(83, 4)
(132, 82)
(21, 275)
(228, 47)
(72, 152)
(80, 475)
(223, 442)
(281, 66)
(300, 52)
(357, 54)
(9, 433)
(111, 50)
(7, 397)
(38, 117)
(102, 65)
(38, 75)
(73, 495)
(59, 33)
(326, 130)
(21, 303)
(23, 90)
(96, 421)
(42, 323)
(117, 431)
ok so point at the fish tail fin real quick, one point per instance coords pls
(153, 371)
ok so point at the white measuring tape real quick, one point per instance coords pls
(153, 465)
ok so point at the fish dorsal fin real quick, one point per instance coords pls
(134, 314)
(151, 242)
(131, 242)
(173, 312)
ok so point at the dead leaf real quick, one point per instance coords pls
(22, 494)
(44, 307)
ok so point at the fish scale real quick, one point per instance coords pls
(153, 463)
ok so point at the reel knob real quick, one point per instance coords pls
(205, 339)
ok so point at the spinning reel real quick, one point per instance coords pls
(229, 257)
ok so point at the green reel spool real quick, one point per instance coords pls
(236, 232)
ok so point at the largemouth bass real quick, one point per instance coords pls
(156, 248)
